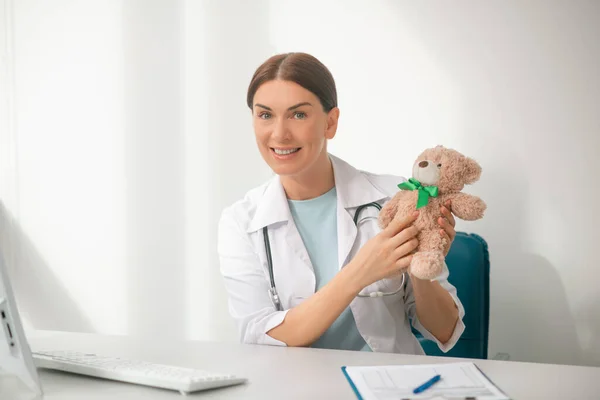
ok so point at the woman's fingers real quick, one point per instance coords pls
(447, 228)
(447, 213)
(406, 248)
(447, 241)
(404, 262)
(397, 225)
(404, 236)
(445, 235)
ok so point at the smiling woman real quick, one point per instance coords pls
(294, 103)
(321, 261)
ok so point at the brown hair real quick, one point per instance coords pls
(301, 68)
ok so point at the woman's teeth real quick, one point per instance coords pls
(284, 152)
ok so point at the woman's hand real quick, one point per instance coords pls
(447, 222)
(387, 254)
(383, 255)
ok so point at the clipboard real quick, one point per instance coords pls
(460, 380)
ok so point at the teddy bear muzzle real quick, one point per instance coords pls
(427, 172)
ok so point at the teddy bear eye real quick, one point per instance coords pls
(439, 165)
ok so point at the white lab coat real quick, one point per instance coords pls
(383, 322)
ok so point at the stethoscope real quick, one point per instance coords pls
(273, 289)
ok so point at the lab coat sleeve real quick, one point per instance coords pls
(247, 286)
(411, 309)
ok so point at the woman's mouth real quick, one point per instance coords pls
(285, 154)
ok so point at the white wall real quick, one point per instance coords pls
(513, 84)
(125, 115)
(8, 174)
(69, 163)
(224, 43)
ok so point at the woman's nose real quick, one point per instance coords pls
(280, 130)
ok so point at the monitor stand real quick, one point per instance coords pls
(15, 379)
(13, 388)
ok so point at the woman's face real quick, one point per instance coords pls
(291, 126)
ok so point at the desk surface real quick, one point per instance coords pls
(285, 373)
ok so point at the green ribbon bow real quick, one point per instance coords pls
(424, 191)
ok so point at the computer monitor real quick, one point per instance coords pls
(16, 360)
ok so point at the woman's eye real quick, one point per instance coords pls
(299, 115)
(264, 115)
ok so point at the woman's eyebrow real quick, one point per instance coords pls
(299, 105)
(289, 109)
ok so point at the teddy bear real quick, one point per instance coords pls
(439, 174)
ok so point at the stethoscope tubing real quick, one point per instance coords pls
(273, 290)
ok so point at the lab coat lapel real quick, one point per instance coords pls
(346, 233)
(274, 209)
(296, 244)
(354, 190)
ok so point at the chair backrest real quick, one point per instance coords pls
(469, 266)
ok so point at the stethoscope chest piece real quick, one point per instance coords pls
(275, 299)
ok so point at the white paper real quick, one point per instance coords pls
(396, 382)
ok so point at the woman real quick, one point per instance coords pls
(324, 266)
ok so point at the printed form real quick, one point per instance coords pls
(396, 382)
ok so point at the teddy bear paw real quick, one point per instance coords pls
(427, 264)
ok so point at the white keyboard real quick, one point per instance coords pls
(184, 380)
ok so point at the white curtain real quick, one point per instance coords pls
(124, 133)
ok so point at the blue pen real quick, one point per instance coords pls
(427, 384)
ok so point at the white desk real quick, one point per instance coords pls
(286, 373)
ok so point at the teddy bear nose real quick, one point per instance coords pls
(423, 164)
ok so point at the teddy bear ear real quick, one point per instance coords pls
(472, 171)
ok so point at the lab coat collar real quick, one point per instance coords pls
(272, 207)
(352, 187)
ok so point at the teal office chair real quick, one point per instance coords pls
(469, 266)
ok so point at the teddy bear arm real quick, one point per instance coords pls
(467, 207)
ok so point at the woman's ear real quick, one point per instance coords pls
(332, 122)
